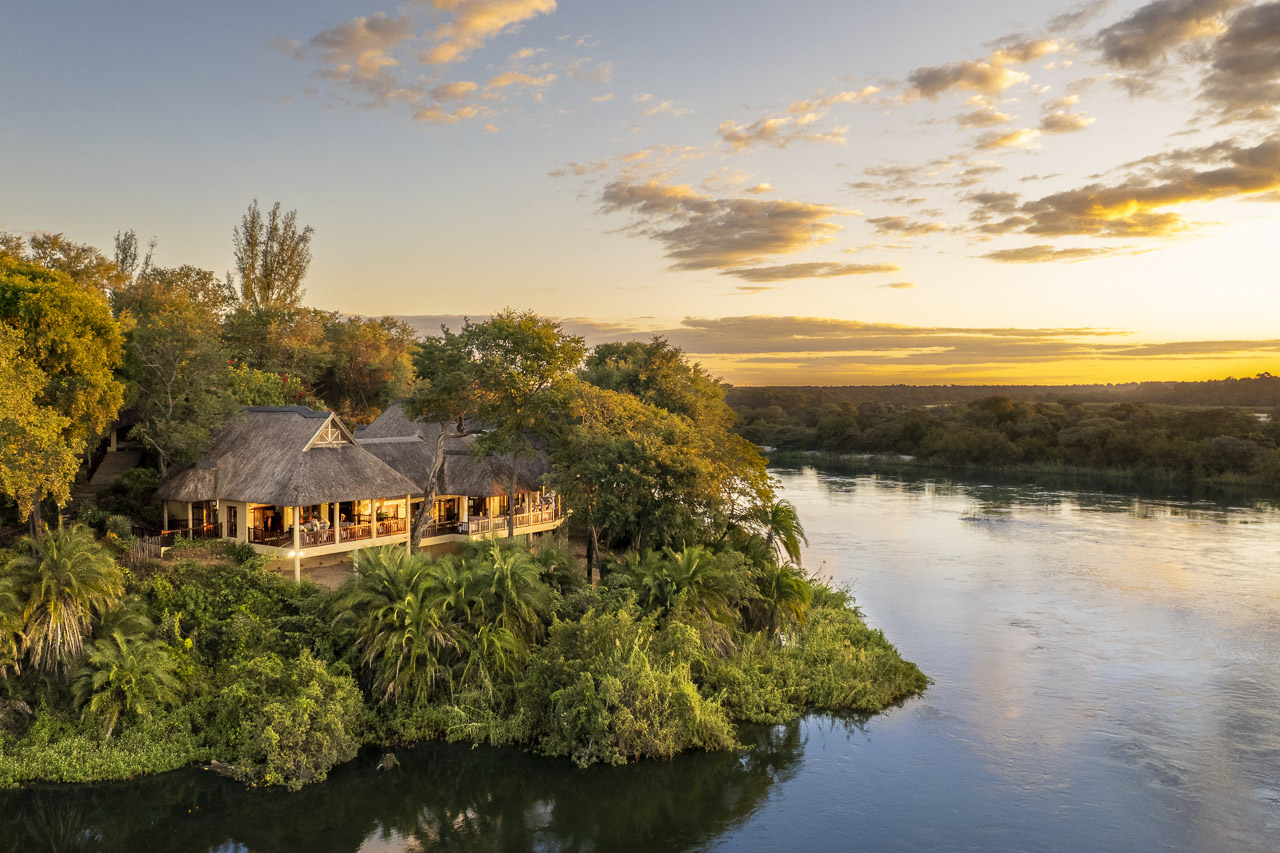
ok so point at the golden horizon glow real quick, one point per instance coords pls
(1097, 167)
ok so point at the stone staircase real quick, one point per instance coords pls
(112, 466)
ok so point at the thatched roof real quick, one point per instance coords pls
(278, 455)
(410, 448)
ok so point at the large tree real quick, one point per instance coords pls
(368, 367)
(35, 459)
(280, 340)
(175, 362)
(69, 335)
(82, 263)
(659, 374)
(498, 378)
(639, 476)
(272, 257)
(521, 362)
(446, 394)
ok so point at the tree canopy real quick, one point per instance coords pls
(272, 257)
(175, 361)
(69, 336)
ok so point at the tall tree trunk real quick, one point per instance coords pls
(433, 486)
(511, 501)
(593, 553)
(35, 522)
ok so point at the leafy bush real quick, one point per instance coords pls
(131, 495)
(232, 611)
(287, 722)
(607, 689)
(835, 663)
(55, 750)
(120, 526)
(129, 676)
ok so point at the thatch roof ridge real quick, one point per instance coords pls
(264, 457)
(410, 447)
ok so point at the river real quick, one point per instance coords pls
(1106, 677)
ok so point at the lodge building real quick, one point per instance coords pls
(298, 485)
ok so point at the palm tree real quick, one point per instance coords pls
(783, 532)
(405, 630)
(126, 676)
(783, 599)
(510, 592)
(60, 581)
(10, 633)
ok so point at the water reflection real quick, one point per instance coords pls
(443, 797)
(1107, 666)
(1106, 677)
(1092, 492)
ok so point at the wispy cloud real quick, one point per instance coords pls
(779, 131)
(1140, 205)
(473, 22)
(792, 272)
(1042, 253)
(991, 75)
(905, 227)
(1146, 36)
(700, 232)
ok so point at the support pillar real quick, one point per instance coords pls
(297, 544)
(190, 513)
(408, 512)
(373, 521)
(164, 509)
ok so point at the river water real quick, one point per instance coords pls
(1106, 678)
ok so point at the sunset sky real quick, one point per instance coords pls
(809, 192)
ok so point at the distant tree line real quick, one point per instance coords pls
(1185, 444)
(1262, 391)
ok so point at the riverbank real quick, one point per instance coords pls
(282, 682)
(1052, 475)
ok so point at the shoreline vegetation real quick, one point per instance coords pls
(1125, 444)
(691, 615)
(1136, 480)
(501, 645)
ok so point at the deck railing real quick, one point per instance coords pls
(392, 526)
(485, 524)
(165, 538)
(272, 538)
(356, 532)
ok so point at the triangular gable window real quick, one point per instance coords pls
(331, 435)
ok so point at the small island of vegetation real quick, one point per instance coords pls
(689, 615)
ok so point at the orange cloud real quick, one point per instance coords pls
(474, 22)
(700, 232)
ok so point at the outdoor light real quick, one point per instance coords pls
(290, 553)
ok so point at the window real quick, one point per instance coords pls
(329, 436)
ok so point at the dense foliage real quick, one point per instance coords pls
(1261, 390)
(1179, 444)
(65, 347)
(209, 658)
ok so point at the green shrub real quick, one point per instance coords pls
(835, 663)
(91, 515)
(55, 750)
(118, 525)
(131, 494)
(602, 690)
(287, 722)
